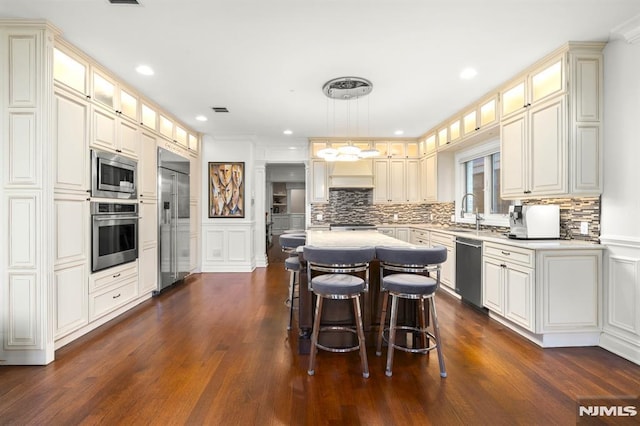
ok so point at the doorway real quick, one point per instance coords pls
(285, 201)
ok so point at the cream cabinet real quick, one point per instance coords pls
(319, 182)
(534, 152)
(419, 237)
(389, 181)
(482, 116)
(112, 288)
(148, 253)
(437, 177)
(429, 178)
(119, 99)
(552, 144)
(455, 130)
(443, 137)
(400, 233)
(397, 149)
(551, 296)
(508, 278)
(194, 144)
(70, 71)
(428, 145)
(148, 166)
(148, 116)
(71, 134)
(110, 132)
(448, 268)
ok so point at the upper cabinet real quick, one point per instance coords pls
(107, 91)
(551, 143)
(70, 71)
(148, 116)
(481, 116)
(543, 82)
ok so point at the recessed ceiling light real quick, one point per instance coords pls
(398, 132)
(288, 132)
(144, 70)
(468, 73)
(201, 118)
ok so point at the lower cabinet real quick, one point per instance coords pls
(70, 293)
(148, 277)
(112, 288)
(509, 289)
(419, 237)
(551, 296)
(448, 268)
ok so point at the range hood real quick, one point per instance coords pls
(351, 174)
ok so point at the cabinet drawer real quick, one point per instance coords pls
(513, 254)
(420, 237)
(104, 302)
(438, 239)
(108, 277)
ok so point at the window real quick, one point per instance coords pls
(479, 186)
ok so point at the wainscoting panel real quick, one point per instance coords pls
(228, 247)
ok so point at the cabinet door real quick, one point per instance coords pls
(103, 129)
(413, 187)
(71, 133)
(148, 277)
(492, 290)
(148, 167)
(148, 222)
(389, 232)
(129, 140)
(402, 234)
(319, 191)
(71, 299)
(70, 71)
(548, 148)
(430, 179)
(513, 181)
(128, 105)
(547, 81)
(149, 117)
(104, 90)
(381, 181)
(397, 187)
(519, 297)
(488, 113)
(448, 271)
(514, 98)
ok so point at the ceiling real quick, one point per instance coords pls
(266, 61)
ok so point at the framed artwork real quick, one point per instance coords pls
(226, 190)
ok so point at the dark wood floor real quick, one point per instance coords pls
(216, 351)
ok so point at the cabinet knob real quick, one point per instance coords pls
(477, 128)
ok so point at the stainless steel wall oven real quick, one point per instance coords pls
(113, 176)
(114, 234)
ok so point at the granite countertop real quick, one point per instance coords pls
(496, 237)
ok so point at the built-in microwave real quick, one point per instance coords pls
(113, 175)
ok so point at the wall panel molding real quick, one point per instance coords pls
(22, 149)
(22, 312)
(23, 70)
(22, 231)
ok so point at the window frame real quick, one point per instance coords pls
(484, 150)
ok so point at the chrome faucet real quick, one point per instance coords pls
(462, 205)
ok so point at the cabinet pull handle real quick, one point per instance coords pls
(506, 253)
(527, 192)
(502, 265)
(116, 296)
(116, 275)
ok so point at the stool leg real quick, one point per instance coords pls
(292, 286)
(314, 337)
(361, 343)
(392, 334)
(423, 324)
(436, 332)
(383, 318)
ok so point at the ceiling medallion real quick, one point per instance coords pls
(347, 87)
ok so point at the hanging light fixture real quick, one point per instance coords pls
(349, 89)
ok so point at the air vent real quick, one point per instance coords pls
(136, 2)
(220, 109)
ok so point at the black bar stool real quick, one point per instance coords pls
(289, 244)
(337, 282)
(411, 278)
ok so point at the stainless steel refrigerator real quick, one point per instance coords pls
(173, 218)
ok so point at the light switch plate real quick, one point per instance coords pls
(395, 217)
(319, 216)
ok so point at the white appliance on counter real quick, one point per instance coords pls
(534, 222)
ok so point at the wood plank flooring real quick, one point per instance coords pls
(215, 351)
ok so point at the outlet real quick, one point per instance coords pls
(431, 217)
(584, 228)
(319, 217)
(395, 217)
(453, 218)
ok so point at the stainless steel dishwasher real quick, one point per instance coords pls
(469, 270)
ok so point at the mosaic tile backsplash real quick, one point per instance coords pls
(356, 206)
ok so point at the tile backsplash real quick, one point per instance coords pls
(356, 206)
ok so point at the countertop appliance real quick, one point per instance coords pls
(534, 221)
(113, 175)
(469, 271)
(174, 224)
(114, 234)
(351, 226)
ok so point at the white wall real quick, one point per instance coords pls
(620, 230)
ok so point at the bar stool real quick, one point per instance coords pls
(337, 282)
(289, 243)
(409, 280)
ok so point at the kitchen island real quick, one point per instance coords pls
(336, 312)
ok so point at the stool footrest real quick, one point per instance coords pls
(338, 328)
(427, 333)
